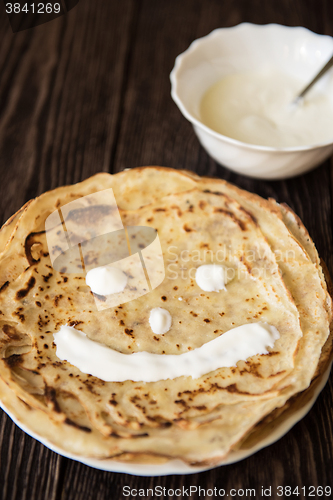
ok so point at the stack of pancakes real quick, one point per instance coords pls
(274, 276)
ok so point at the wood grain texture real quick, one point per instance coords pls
(89, 92)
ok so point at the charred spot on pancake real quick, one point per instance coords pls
(251, 216)
(57, 248)
(11, 332)
(181, 402)
(29, 243)
(20, 294)
(47, 277)
(252, 368)
(232, 388)
(4, 286)
(51, 398)
(13, 360)
(19, 315)
(129, 332)
(277, 373)
(68, 421)
(212, 192)
(89, 386)
(176, 207)
(89, 215)
(56, 299)
(74, 323)
(90, 259)
(42, 321)
(232, 216)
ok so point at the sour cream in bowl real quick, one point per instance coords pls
(236, 86)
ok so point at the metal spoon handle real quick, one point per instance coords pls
(316, 78)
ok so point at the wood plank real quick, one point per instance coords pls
(60, 93)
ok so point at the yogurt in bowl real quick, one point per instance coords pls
(236, 86)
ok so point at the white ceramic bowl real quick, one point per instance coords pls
(294, 51)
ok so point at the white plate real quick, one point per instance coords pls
(178, 466)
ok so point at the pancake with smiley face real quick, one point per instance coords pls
(272, 279)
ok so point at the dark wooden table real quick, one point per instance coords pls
(90, 92)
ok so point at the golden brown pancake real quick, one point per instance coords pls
(274, 276)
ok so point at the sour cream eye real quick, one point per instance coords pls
(211, 277)
(106, 280)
